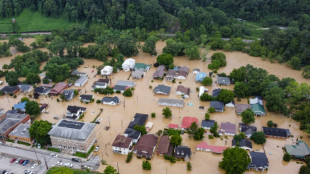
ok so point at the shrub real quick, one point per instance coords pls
(127, 93)
(270, 123)
(211, 110)
(189, 166)
(98, 101)
(170, 158)
(286, 157)
(153, 114)
(146, 165)
(258, 137)
(207, 116)
(210, 137)
(167, 112)
(129, 157)
(150, 87)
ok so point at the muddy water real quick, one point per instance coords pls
(144, 101)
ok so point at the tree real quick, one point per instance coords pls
(175, 48)
(206, 97)
(32, 78)
(140, 129)
(60, 170)
(38, 131)
(110, 170)
(127, 93)
(165, 59)
(150, 45)
(127, 45)
(270, 123)
(213, 129)
(33, 109)
(167, 112)
(241, 89)
(239, 74)
(58, 73)
(11, 78)
(220, 57)
(248, 116)
(275, 100)
(207, 81)
(306, 72)
(258, 137)
(57, 46)
(146, 165)
(235, 160)
(207, 116)
(286, 157)
(304, 170)
(295, 63)
(192, 51)
(199, 134)
(176, 140)
(189, 166)
(24, 99)
(226, 96)
(211, 110)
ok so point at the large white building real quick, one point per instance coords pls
(129, 64)
(107, 70)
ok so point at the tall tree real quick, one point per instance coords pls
(38, 131)
(235, 160)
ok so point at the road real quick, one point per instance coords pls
(32, 155)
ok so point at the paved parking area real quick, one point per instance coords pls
(17, 168)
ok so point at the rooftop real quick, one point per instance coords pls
(187, 121)
(277, 132)
(214, 149)
(241, 107)
(162, 89)
(163, 145)
(139, 119)
(301, 149)
(22, 130)
(122, 141)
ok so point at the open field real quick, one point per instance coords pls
(29, 21)
(144, 101)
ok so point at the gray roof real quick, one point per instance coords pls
(82, 80)
(242, 143)
(110, 99)
(74, 130)
(125, 83)
(12, 118)
(171, 102)
(68, 93)
(207, 123)
(300, 149)
(120, 88)
(259, 159)
(162, 89)
(137, 73)
(217, 105)
(223, 80)
(24, 87)
(21, 130)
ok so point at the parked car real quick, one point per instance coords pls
(76, 160)
(28, 172)
(34, 165)
(85, 167)
(25, 162)
(21, 161)
(56, 118)
(12, 160)
(54, 155)
(17, 161)
(97, 148)
(68, 165)
(58, 163)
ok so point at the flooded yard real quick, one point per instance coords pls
(144, 101)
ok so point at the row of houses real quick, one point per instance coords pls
(165, 90)
(179, 73)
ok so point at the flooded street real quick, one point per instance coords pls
(144, 101)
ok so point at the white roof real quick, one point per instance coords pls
(256, 101)
(202, 90)
(107, 68)
(149, 125)
(129, 62)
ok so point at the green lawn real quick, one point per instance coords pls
(29, 21)
(75, 171)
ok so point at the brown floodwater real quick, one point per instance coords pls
(144, 101)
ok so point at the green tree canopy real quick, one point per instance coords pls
(11, 78)
(235, 160)
(176, 140)
(167, 112)
(226, 96)
(165, 59)
(247, 116)
(207, 81)
(38, 131)
(33, 109)
(110, 170)
(150, 45)
(241, 89)
(32, 78)
(258, 137)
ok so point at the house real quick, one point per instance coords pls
(164, 146)
(259, 161)
(227, 128)
(148, 126)
(9, 121)
(81, 81)
(207, 124)
(258, 109)
(110, 100)
(125, 83)
(276, 132)
(162, 90)
(106, 71)
(247, 130)
(128, 64)
(300, 150)
(171, 74)
(187, 122)
(182, 152)
(203, 146)
(200, 76)
(230, 104)
(196, 71)
(242, 107)
(25, 88)
(216, 92)
(139, 119)
(133, 134)
(86, 98)
(77, 73)
(223, 81)
(217, 105)
(171, 102)
(42, 90)
(68, 94)
(74, 112)
(73, 136)
(100, 84)
(120, 88)
(142, 67)
(146, 146)
(10, 90)
(181, 90)
(122, 145)
(21, 133)
(43, 107)
(202, 90)
(243, 143)
(137, 74)
(20, 106)
(256, 100)
(182, 73)
(58, 88)
(173, 126)
(159, 73)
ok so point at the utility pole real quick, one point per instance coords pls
(45, 162)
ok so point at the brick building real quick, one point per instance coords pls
(9, 121)
(21, 133)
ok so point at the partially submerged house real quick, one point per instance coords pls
(207, 124)
(300, 151)
(276, 132)
(148, 126)
(216, 92)
(171, 74)
(227, 128)
(202, 90)
(247, 130)
(77, 73)
(241, 107)
(68, 94)
(41, 90)
(81, 81)
(223, 81)
(133, 134)
(259, 161)
(20, 106)
(139, 119)
(122, 145)
(159, 73)
(146, 146)
(106, 71)
(173, 126)
(187, 122)
(74, 112)
(182, 152)
(181, 90)
(162, 90)
(137, 74)
(58, 88)
(217, 105)
(200, 76)
(10, 90)
(256, 100)
(122, 85)
(86, 98)
(171, 102)
(110, 100)
(243, 144)
(203, 146)
(182, 73)
(258, 109)
(142, 67)
(101, 84)
(128, 64)
(25, 88)
(196, 71)
(164, 146)
(120, 88)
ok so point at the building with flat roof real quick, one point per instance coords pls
(21, 133)
(73, 136)
(10, 121)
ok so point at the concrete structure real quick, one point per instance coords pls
(81, 81)
(171, 102)
(122, 145)
(129, 64)
(73, 136)
(9, 121)
(21, 133)
(106, 71)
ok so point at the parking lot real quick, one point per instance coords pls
(17, 168)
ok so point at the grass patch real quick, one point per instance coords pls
(84, 155)
(53, 149)
(75, 171)
(23, 143)
(8, 140)
(29, 21)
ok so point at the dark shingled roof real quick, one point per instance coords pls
(75, 109)
(242, 143)
(217, 105)
(259, 159)
(277, 132)
(9, 89)
(86, 96)
(163, 145)
(132, 133)
(246, 129)
(207, 123)
(145, 145)
(182, 152)
(122, 141)
(109, 99)
(139, 119)
(216, 92)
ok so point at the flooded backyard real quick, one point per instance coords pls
(144, 101)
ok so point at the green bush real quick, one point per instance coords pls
(286, 157)
(127, 93)
(170, 158)
(98, 101)
(129, 157)
(146, 165)
(211, 110)
(189, 166)
(153, 114)
(207, 116)
(270, 123)
(210, 137)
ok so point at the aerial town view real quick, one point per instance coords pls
(154, 87)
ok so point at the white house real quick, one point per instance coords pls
(81, 81)
(74, 112)
(202, 90)
(128, 64)
(171, 102)
(101, 84)
(110, 100)
(122, 145)
(107, 70)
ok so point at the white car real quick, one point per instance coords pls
(96, 149)
(58, 163)
(54, 155)
(1, 82)
(68, 165)
(34, 165)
